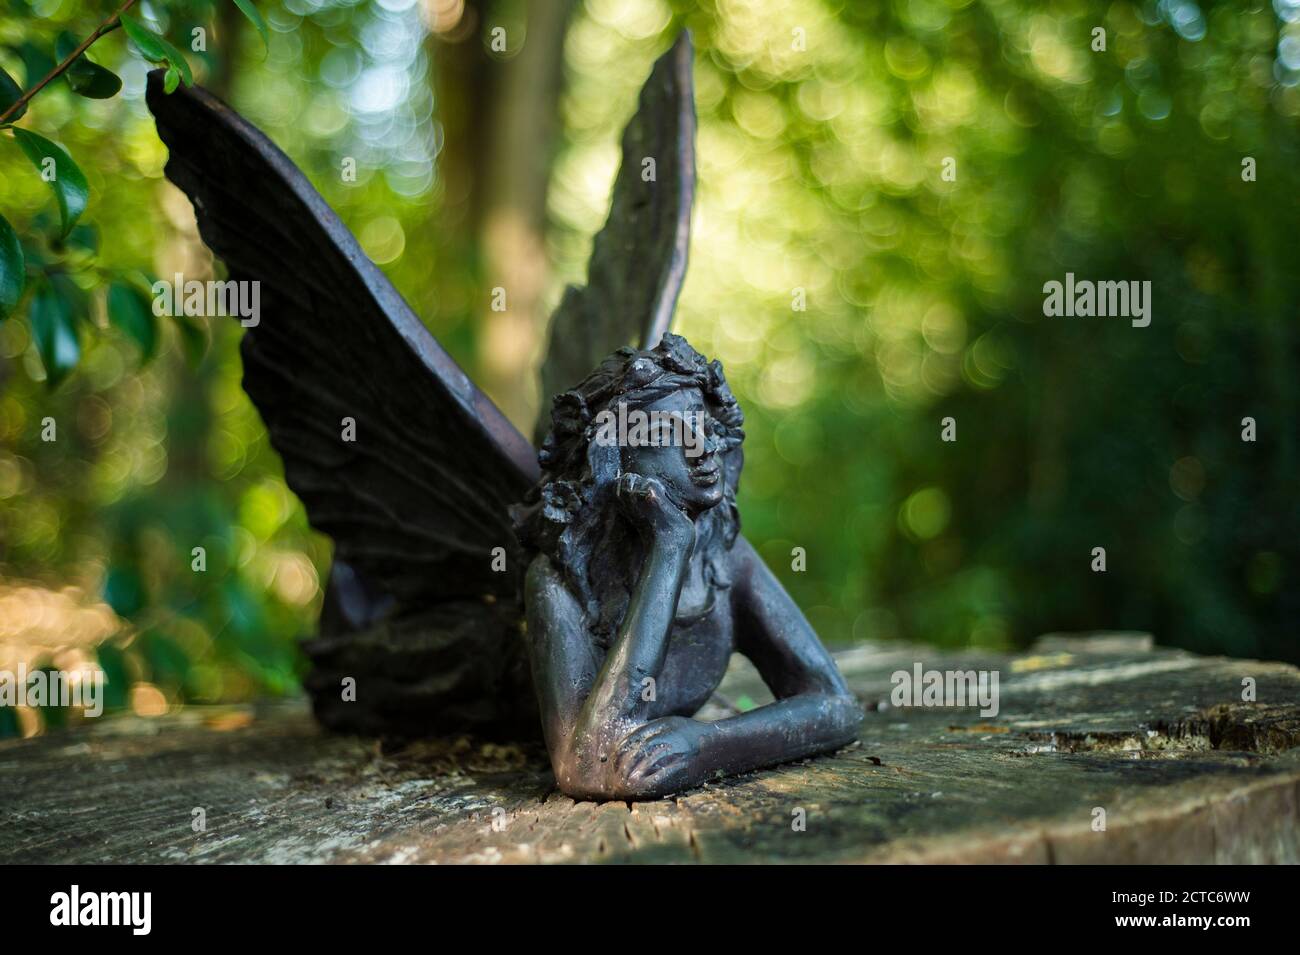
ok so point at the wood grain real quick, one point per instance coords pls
(1160, 739)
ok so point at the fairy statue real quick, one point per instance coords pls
(477, 584)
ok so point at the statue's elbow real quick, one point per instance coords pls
(591, 787)
(584, 779)
(846, 716)
(596, 781)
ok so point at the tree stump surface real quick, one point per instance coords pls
(1158, 739)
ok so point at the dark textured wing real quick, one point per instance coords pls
(417, 502)
(638, 259)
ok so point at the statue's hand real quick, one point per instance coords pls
(646, 503)
(661, 756)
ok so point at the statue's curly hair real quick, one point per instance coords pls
(571, 514)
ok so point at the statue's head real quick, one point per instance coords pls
(664, 413)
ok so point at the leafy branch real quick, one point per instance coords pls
(56, 304)
(19, 106)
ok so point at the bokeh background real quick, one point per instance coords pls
(824, 127)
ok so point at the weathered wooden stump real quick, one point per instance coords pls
(1161, 740)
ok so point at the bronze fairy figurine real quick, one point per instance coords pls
(642, 588)
(472, 590)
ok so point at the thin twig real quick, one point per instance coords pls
(107, 26)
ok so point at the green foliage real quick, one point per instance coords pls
(58, 339)
(132, 313)
(54, 327)
(12, 269)
(10, 93)
(84, 77)
(64, 176)
(194, 340)
(925, 301)
(157, 49)
(254, 17)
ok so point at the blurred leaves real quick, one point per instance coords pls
(54, 328)
(194, 339)
(117, 675)
(155, 48)
(131, 312)
(110, 478)
(10, 93)
(86, 78)
(250, 10)
(63, 175)
(12, 269)
(37, 61)
(124, 590)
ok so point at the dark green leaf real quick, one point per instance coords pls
(131, 312)
(156, 48)
(96, 83)
(10, 92)
(255, 17)
(150, 44)
(176, 59)
(55, 333)
(12, 267)
(64, 177)
(86, 78)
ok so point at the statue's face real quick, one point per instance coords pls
(686, 459)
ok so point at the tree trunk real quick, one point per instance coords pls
(499, 113)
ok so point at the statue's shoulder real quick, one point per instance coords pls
(741, 556)
(541, 570)
(541, 573)
(743, 566)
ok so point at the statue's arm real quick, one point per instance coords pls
(563, 661)
(814, 710)
(589, 706)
